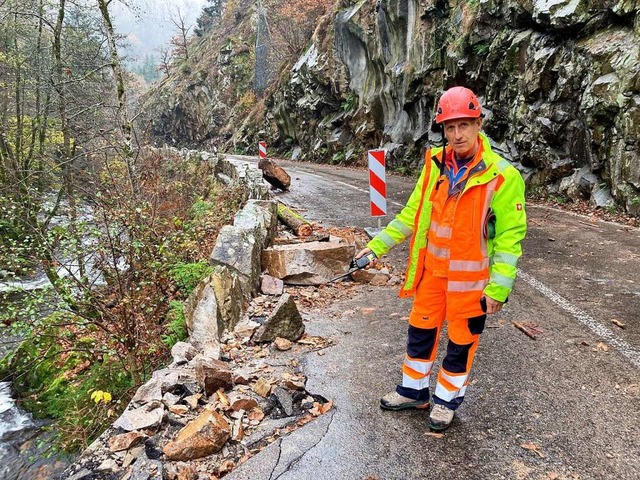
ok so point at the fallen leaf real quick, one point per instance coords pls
(533, 448)
(618, 323)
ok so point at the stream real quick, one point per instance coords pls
(23, 442)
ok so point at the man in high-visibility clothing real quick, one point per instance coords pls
(466, 220)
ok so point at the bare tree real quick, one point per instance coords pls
(180, 40)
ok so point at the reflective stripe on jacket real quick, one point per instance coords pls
(469, 244)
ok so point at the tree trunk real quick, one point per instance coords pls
(274, 174)
(118, 72)
(294, 221)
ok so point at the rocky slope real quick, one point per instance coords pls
(560, 80)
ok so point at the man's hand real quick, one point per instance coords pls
(362, 253)
(493, 306)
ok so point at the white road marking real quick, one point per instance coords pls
(366, 191)
(596, 327)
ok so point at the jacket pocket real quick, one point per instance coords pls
(476, 324)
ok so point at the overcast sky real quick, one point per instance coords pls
(149, 26)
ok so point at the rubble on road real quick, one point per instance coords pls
(206, 415)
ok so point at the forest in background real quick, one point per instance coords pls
(120, 231)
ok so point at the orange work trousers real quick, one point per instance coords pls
(432, 304)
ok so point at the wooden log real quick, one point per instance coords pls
(274, 174)
(294, 221)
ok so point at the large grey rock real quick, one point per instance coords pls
(227, 287)
(310, 263)
(201, 313)
(601, 198)
(261, 217)
(285, 322)
(239, 249)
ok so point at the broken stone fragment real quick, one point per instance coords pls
(163, 381)
(145, 469)
(192, 400)
(201, 314)
(262, 387)
(246, 328)
(182, 352)
(285, 400)
(293, 382)
(312, 263)
(238, 402)
(109, 465)
(170, 399)
(282, 344)
(213, 374)
(141, 418)
(125, 441)
(285, 322)
(203, 436)
(271, 285)
(371, 276)
(178, 409)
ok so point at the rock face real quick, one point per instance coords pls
(560, 81)
(311, 263)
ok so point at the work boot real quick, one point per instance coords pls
(440, 418)
(394, 401)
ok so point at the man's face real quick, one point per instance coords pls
(462, 135)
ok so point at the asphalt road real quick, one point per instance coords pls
(566, 405)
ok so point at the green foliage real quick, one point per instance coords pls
(177, 326)
(481, 48)
(337, 157)
(350, 102)
(187, 275)
(57, 382)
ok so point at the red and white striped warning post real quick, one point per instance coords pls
(377, 182)
(262, 148)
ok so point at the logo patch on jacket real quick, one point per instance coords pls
(518, 206)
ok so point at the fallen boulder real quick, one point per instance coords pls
(203, 436)
(213, 374)
(312, 263)
(285, 321)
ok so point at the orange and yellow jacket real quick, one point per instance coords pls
(472, 236)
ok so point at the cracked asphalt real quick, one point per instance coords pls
(565, 405)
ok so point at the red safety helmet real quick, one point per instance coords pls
(458, 102)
